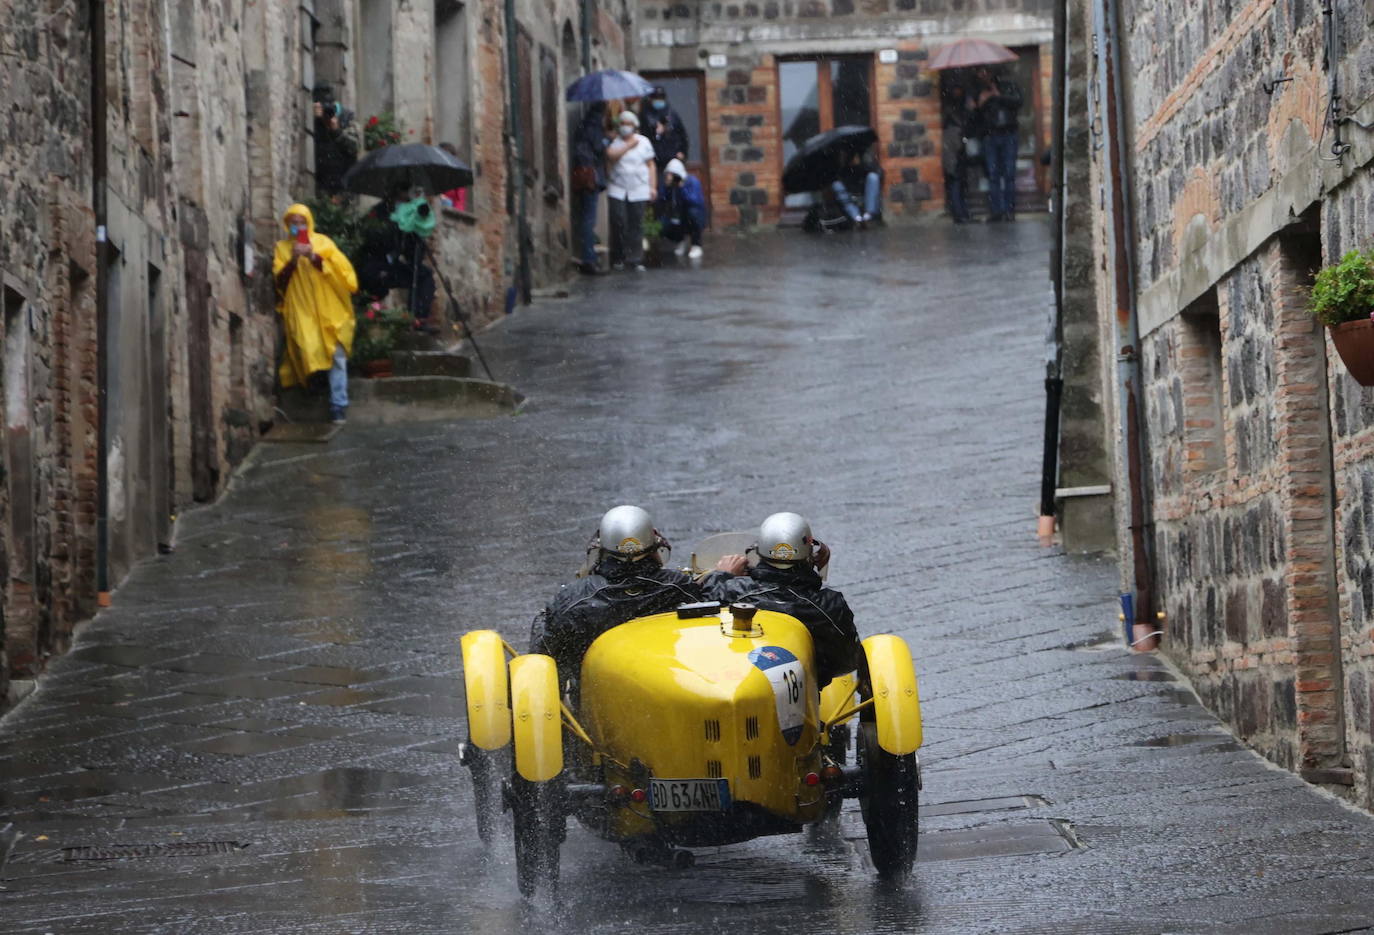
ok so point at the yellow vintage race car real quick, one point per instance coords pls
(694, 728)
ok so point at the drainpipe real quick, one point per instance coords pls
(1137, 606)
(1054, 381)
(515, 196)
(585, 11)
(99, 177)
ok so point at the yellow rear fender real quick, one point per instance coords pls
(537, 717)
(896, 701)
(488, 689)
(838, 697)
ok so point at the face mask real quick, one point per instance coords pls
(626, 130)
(659, 105)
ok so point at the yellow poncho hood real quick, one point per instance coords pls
(317, 304)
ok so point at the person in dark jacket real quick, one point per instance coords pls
(627, 580)
(336, 150)
(681, 209)
(589, 180)
(787, 580)
(998, 101)
(389, 258)
(664, 128)
(859, 177)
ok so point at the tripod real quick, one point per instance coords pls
(422, 247)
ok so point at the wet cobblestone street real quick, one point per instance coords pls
(274, 709)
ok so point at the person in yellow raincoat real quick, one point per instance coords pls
(315, 286)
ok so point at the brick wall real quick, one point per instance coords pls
(744, 139)
(908, 124)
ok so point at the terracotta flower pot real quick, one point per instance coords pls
(376, 368)
(1354, 341)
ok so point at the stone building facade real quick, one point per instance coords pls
(151, 148)
(754, 79)
(1244, 176)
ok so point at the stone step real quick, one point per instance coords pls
(430, 364)
(406, 399)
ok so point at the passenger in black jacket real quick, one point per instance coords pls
(627, 581)
(786, 580)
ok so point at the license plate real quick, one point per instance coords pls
(689, 795)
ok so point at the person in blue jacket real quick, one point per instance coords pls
(681, 209)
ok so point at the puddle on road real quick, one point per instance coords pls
(1022, 840)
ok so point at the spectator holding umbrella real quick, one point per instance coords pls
(631, 186)
(588, 180)
(998, 100)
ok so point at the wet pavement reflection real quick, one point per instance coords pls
(262, 734)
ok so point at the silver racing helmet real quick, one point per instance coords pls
(627, 533)
(785, 537)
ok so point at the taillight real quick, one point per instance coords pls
(812, 779)
(639, 795)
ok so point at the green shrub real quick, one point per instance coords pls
(1344, 292)
(379, 329)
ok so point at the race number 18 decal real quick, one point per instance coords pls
(788, 678)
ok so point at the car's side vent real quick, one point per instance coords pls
(751, 728)
(712, 731)
(713, 770)
(755, 767)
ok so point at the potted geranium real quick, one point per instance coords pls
(1343, 300)
(379, 329)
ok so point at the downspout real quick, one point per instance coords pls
(515, 195)
(99, 178)
(585, 15)
(1137, 605)
(1054, 380)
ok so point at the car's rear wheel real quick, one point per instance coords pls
(487, 768)
(540, 825)
(891, 787)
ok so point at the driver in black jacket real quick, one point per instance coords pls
(628, 580)
(786, 580)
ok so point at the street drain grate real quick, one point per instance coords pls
(139, 851)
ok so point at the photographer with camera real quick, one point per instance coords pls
(335, 147)
(391, 256)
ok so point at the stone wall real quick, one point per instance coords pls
(1261, 447)
(210, 138)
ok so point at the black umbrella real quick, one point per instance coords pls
(413, 165)
(817, 163)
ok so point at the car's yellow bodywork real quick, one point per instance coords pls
(673, 697)
(685, 699)
(487, 688)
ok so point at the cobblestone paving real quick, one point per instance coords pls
(272, 712)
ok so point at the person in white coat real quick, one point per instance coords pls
(631, 185)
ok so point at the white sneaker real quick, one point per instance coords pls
(680, 249)
(641, 268)
(617, 266)
(694, 253)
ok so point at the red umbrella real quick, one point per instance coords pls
(965, 53)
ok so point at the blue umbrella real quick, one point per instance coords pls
(608, 85)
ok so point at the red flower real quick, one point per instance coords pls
(372, 122)
(371, 313)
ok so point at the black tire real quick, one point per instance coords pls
(837, 751)
(488, 768)
(541, 822)
(890, 805)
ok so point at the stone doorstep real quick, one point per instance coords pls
(19, 690)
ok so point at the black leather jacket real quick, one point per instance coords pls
(614, 593)
(798, 591)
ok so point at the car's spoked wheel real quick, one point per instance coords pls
(889, 802)
(486, 767)
(540, 826)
